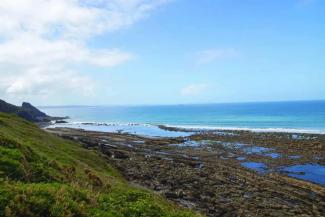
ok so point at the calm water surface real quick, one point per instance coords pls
(273, 116)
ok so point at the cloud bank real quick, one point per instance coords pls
(42, 42)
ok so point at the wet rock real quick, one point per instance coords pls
(120, 155)
(60, 122)
(171, 195)
(222, 187)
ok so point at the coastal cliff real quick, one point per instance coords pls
(27, 111)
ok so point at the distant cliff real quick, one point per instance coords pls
(26, 111)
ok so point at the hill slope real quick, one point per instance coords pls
(44, 175)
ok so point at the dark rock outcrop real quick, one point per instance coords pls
(27, 111)
(8, 108)
(32, 110)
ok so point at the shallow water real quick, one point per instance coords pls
(258, 167)
(138, 129)
(273, 155)
(235, 145)
(191, 143)
(256, 150)
(309, 172)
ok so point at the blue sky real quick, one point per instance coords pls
(166, 52)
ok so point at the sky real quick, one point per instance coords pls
(121, 52)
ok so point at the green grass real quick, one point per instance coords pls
(44, 175)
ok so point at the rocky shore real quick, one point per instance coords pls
(221, 173)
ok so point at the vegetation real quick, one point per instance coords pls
(44, 175)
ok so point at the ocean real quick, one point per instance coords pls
(295, 117)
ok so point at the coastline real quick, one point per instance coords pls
(220, 172)
(189, 128)
(210, 169)
(257, 130)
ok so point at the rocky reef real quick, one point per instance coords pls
(228, 173)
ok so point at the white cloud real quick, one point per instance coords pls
(71, 18)
(194, 89)
(41, 41)
(32, 50)
(212, 55)
(48, 82)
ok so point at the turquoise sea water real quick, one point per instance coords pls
(304, 116)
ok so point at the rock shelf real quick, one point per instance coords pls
(221, 174)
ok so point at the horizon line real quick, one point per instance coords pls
(183, 104)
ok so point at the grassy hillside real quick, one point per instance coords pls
(43, 175)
